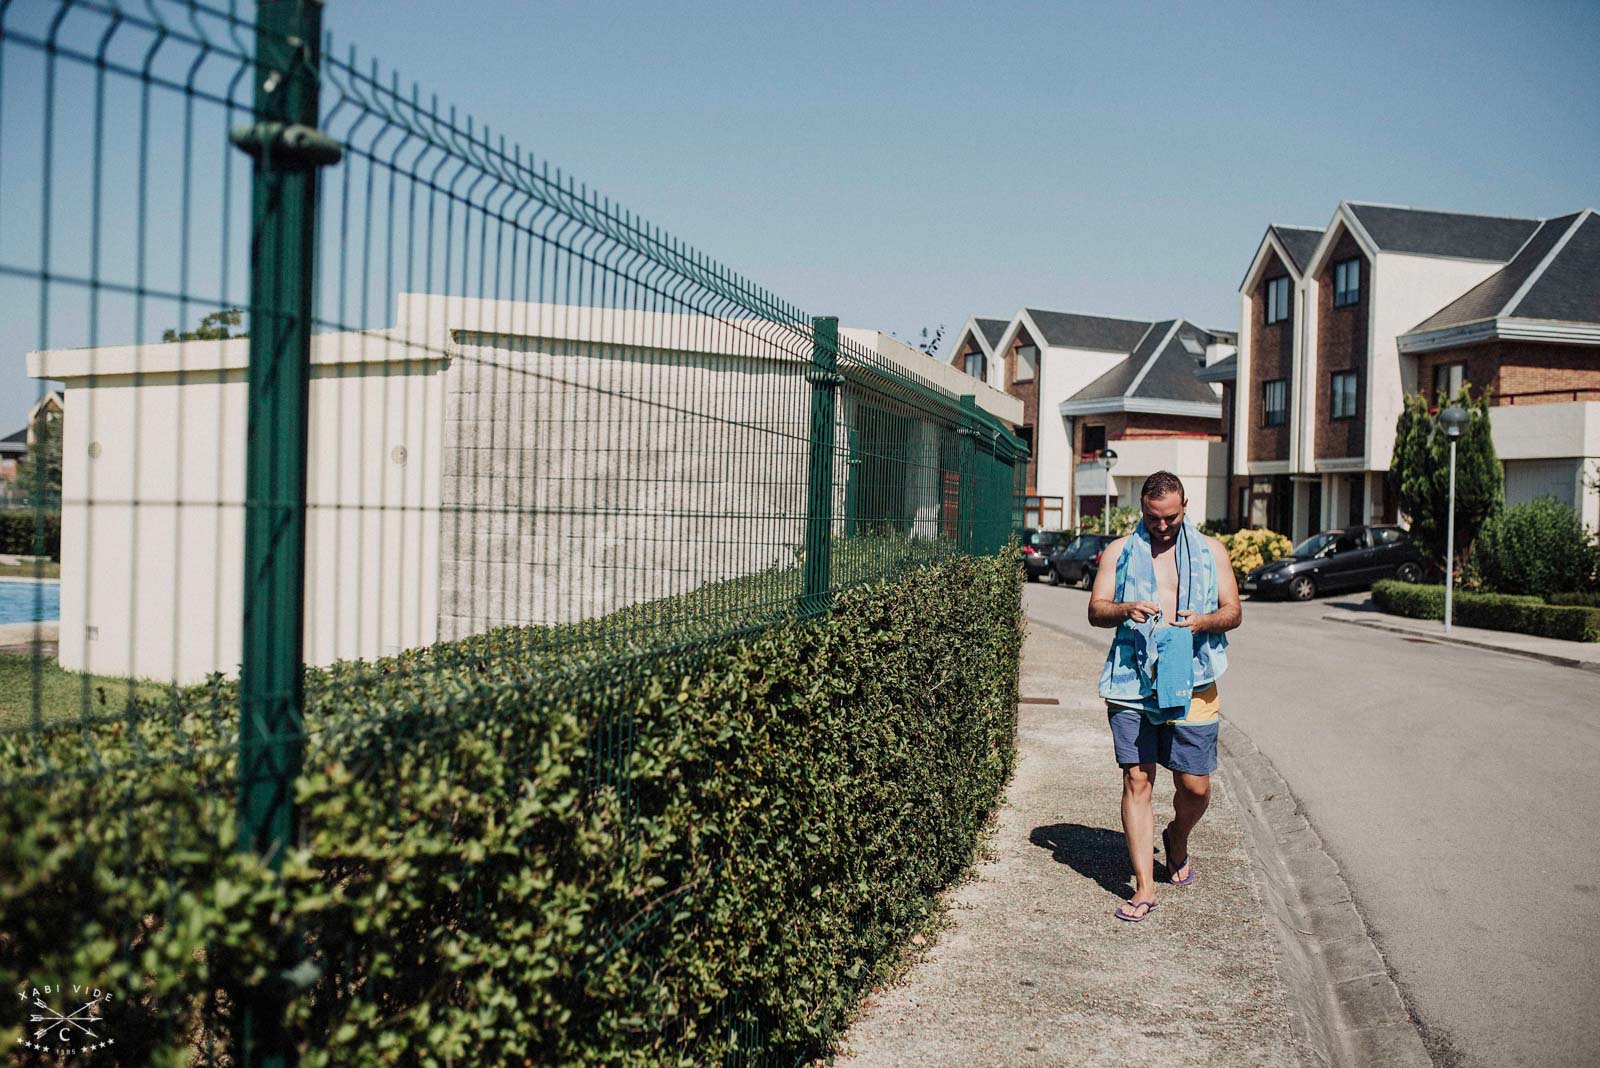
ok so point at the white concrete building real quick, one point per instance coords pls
(481, 463)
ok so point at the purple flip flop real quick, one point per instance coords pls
(1188, 862)
(1129, 912)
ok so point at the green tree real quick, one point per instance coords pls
(1420, 469)
(1123, 520)
(213, 327)
(41, 471)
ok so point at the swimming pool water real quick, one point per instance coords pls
(29, 602)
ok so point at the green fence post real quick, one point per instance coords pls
(825, 379)
(287, 149)
(967, 501)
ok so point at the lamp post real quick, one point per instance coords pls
(1454, 420)
(1108, 460)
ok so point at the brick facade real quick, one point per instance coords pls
(1528, 372)
(1342, 346)
(1142, 426)
(1028, 393)
(1522, 372)
(1271, 356)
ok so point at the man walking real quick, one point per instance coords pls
(1170, 592)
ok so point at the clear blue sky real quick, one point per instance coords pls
(902, 165)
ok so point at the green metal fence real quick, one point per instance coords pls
(348, 376)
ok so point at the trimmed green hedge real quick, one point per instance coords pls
(17, 531)
(1586, 599)
(1523, 614)
(508, 861)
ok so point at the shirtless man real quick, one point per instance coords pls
(1184, 742)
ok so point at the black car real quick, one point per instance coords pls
(1352, 558)
(1036, 547)
(1077, 561)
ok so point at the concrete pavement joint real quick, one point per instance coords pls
(1548, 658)
(1347, 1006)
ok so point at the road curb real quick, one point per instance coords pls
(1410, 632)
(1346, 1006)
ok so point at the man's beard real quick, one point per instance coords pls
(1166, 539)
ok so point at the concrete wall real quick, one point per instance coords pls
(482, 463)
(582, 477)
(152, 564)
(1543, 445)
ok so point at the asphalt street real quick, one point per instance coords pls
(1456, 789)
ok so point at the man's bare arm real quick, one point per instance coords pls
(1228, 614)
(1103, 610)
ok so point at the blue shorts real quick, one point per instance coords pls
(1190, 749)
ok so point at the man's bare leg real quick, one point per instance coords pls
(1139, 826)
(1191, 797)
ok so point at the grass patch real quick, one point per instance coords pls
(49, 569)
(61, 693)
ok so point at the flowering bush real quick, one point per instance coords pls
(1250, 548)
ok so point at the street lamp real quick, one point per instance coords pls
(1108, 460)
(1454, 420)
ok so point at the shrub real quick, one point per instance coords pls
(1492, 611)
(1585, 599)
(17, 533)
(1123, 520)
(1252, 547)
(507, 859)
(1539, 547)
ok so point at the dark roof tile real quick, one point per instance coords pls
(1069, 330)
(1568, 288)
(1440, 233)
(992, 329)
(1299, 242)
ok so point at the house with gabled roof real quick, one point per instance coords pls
(1331, 339)
(1530, 333)
(1087, 382)
(974, 351)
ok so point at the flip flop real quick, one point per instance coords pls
(1130, 912)
(1188, 862)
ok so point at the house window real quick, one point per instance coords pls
(1346, 282)
(1094, 440)
(1026, 434)
(1274, 402)
(1027, 363)
(974, 366)
(1277, 300)
(1447, 379)
(1344, 395)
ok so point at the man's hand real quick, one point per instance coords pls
(1195, 621)
(1139, 611)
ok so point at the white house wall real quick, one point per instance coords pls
(1063, 371)
(152, 520)
(1405, 291)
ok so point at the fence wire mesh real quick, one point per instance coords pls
(541, 444)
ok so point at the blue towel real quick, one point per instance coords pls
(1131, 675)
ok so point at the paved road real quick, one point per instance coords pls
(1457, 790)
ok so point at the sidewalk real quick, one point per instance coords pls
(1583, 655)
(1033, 969)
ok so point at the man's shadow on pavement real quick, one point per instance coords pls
(1094, 852)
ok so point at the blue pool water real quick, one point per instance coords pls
(17, 601)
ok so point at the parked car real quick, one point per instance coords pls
(1036, 546)
(1352, 558)
(1077, 561)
